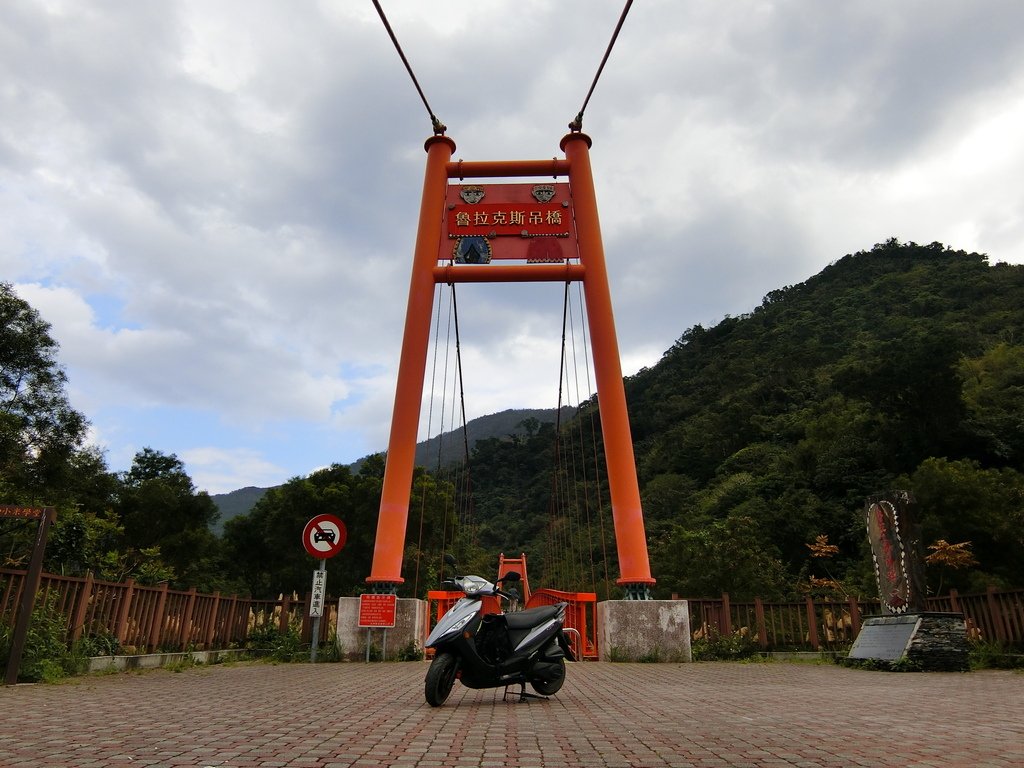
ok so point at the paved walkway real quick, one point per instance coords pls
(615, 715)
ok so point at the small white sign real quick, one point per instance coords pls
(318, 593)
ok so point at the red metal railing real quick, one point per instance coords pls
(580, 614)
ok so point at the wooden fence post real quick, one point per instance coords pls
(812, 624)
(306, 631)
(996, 613)
(82, 608)
(762, 630)
(211, 631)
(854, 617)
(121, 630)
(229, 622)
(159, 618)
(725, 626)
(954, 601)
(185, 630)
(286, 604)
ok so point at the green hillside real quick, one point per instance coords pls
(902, 366)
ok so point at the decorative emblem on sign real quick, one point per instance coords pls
(472, 250)
(474, 193)
(544, 250)
(543, 193)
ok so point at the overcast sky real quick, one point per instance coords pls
(214, 203)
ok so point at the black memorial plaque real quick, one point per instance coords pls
(885, 637)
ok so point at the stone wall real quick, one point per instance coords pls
(644, 630)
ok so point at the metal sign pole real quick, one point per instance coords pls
(316, 622)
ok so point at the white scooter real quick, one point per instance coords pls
(490, 650)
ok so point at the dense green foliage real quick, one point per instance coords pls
(899, 367)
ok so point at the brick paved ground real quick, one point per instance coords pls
(615, 715)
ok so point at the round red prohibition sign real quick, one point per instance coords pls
(324, 536)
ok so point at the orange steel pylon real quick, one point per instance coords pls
(627, 514)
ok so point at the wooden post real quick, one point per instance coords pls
(81, 608)
(725, 622)
(159, 617)
(29, 588)
(954, 601)
(996, 613)
(762, 630)
(185, 630)
(211, 630)
(121, 630)
(282, 622)
(305, 633)
(812, 625)
(854, 618)
(229, 622)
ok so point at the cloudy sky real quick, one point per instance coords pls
(214, 203)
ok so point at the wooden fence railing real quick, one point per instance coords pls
(145, 619)
(996, 616)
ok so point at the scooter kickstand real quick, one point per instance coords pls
(523, 695)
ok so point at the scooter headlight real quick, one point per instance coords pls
(460, 623)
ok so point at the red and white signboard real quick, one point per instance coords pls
(318, 594)
(377, 610)
(324, 536)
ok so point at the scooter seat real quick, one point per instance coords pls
(532, 617)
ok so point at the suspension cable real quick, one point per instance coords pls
(437, 125)
(577, 125)
(467, 479)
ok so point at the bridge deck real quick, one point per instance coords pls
(615, 715)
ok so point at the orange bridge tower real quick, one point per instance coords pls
(472, 233)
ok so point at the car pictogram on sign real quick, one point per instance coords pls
(324, 536)
(321, 535)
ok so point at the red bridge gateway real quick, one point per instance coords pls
(470, 233)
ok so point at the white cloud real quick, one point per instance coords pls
(215, 204)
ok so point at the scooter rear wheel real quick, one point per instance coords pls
(440, 678)
(552, 682)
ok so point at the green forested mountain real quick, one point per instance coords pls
(757, 441)
(898, 367)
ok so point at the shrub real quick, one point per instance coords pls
(719, 647)
(46, 657)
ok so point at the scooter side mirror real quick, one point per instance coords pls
(511, 576)
(449, 559)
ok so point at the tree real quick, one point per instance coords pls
(959, 501)
(40, 432)
(162, 512)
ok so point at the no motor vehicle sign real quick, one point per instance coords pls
(324, 536)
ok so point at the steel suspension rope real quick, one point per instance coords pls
(430, 424)
(577, 124)
(467, 496)
(438, 127)
(597, 465)
(579, 424)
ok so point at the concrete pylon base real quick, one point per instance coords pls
(644, 630)
(388, 644)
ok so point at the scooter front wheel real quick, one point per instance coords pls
(440, 678)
